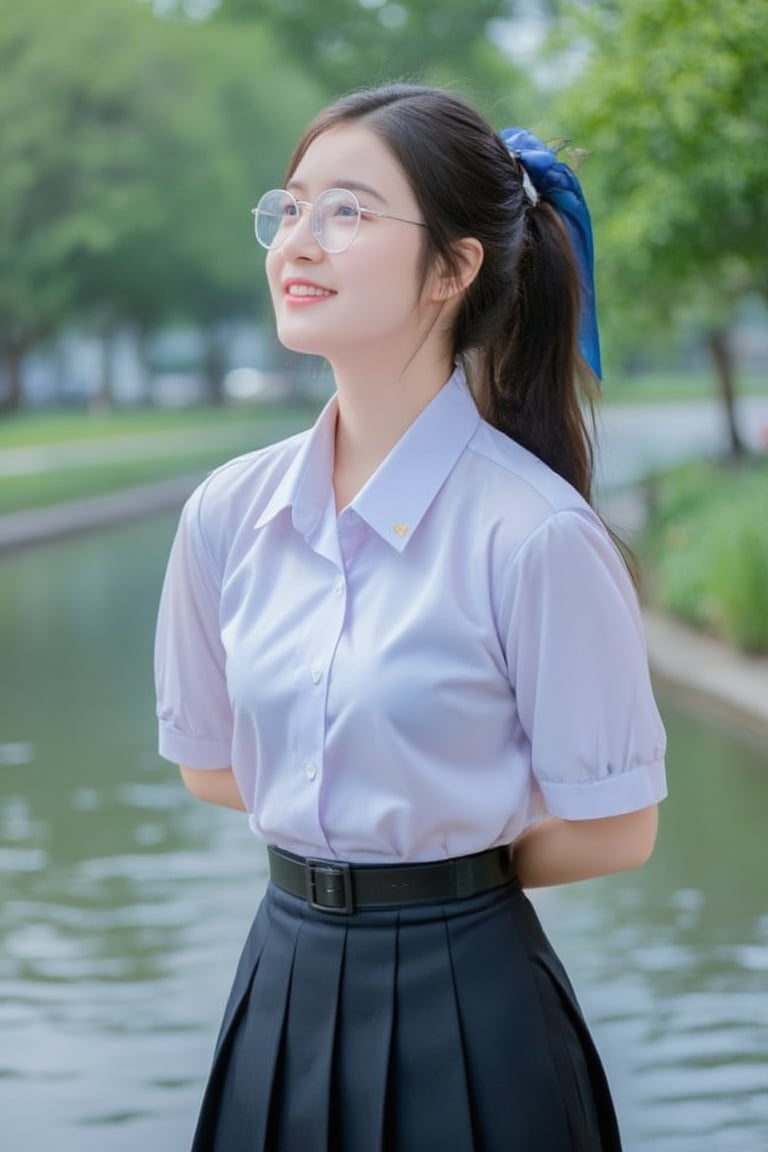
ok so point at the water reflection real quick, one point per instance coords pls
(124, 902)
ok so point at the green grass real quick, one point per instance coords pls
(705, 549)
(157, 458)
(662, 387)
(25, 429)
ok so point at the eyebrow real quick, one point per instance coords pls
(350, 185)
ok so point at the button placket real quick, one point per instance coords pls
(325, 641)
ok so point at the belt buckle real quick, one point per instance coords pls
(325, 892)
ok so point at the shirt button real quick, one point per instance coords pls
(317, 673)
(310, 770)
(339, 587)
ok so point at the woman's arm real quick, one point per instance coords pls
(559, 851)
(214, 785)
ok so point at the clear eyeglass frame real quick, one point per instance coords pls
(334, 218)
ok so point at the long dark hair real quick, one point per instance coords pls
(516, 330)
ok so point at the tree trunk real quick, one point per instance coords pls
(720, 350)
(103, 399)
(142, 355)
(12, 354)
(214, 365)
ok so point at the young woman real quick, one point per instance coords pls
(404, 643)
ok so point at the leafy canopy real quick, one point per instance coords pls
(673, 106)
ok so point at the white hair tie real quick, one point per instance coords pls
(528, 188)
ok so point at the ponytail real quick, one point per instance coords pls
(531, 381)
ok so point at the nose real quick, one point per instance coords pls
(301, 243)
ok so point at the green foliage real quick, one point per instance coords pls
(349, 43)
(132, 151)
(707, 548)
(672, 107)
(739, 572)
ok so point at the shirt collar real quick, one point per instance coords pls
(305, 486)
(395, 499)
(397, 496)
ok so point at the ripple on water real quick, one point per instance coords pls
(752, 957)
(159, 795)
(16, 821)
(17, 754)
(22, 860)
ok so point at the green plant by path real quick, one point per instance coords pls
(706, 549)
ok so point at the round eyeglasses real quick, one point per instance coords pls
(335, 218)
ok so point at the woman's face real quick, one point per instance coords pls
(366, 299)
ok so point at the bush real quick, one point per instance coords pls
(739, 574)
(706, 549)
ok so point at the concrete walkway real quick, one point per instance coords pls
(701, 668)
(708, 672)
(38, 525)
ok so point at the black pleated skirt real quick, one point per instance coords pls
(445, 1028)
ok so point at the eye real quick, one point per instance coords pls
(289, 211)
(345, 211)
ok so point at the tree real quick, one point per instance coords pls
(346, 44)
(673, 106)
(132, 150)
(230, 109)
(69, 175)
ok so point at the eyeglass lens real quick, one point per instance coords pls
(335, 218)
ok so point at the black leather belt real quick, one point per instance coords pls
(333, 886)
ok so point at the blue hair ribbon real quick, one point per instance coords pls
(556, 183)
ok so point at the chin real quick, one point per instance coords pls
(305, 347)
(302, 341)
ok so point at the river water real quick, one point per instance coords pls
(123, 902)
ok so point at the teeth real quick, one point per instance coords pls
(307, 290)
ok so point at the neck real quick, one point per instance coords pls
(377, 403)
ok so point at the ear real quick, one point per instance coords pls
(447, 283)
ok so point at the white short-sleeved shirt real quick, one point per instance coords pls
(456, 653)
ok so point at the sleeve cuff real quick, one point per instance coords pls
(628, 791)
(192, 751)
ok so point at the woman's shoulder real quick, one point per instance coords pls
(236, 493)
(522, 480)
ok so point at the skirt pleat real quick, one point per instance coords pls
(429, 1100)
(529, 1100)
(364, 1038)
(302, 1098)
(237, 1103)
(595, 1105)
(448, 1027)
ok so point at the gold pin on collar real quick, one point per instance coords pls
(401, 529)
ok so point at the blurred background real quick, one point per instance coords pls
(137, 352)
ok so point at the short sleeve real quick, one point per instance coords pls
(578, 667)
(193, 707)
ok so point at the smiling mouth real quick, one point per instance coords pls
(307, 290)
